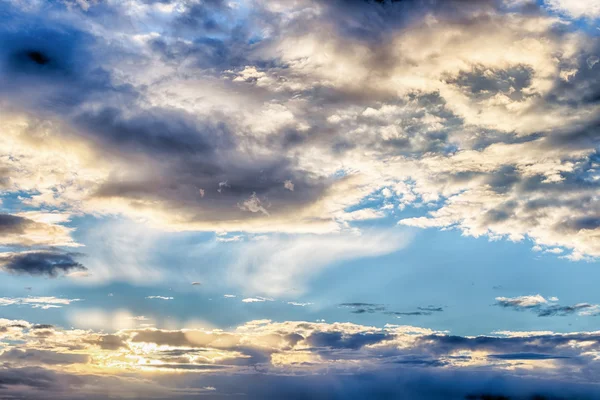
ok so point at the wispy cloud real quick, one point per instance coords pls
(44, 303)
(370, 308)
(258, 265)
(547, 307)
(297, 304)
(256, 299)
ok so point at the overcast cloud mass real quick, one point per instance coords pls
(304, 199)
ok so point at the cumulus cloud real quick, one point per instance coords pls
(475, 109)
(471, 102)
(41, 229)
(451, 365)
(576, 9)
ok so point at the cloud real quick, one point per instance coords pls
(298, 304)
(159, 297)
(521, 301)
(289, 185)
(361, 308)
(576, 9)
(37, 357)
(44, 303)
(253, 204)
(289, 355)
(257, 267)
(524, 356)
(109, 342)
(484, 111)
(547, 307)
(33, 228)
(256, 299)
(369, 308)
(50, 263)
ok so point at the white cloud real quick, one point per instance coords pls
(256, 299)
(297, 304)
(254, 205)
(44, 303)
(524, 301)
(283, 265)
(576, 8)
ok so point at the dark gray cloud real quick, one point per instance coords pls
(42, 326)
(525, 356)
(370, 308)
(339, 340)
(50, 263)
(48, 66)
(362, 308)
(563, 311)
(482, 82)
(204, 16)
(109, 342)
(36, 357)
(416, 384)
(545, 309)
(38, 378)
(13, 224)
(539, 344)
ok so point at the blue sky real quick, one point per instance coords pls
(300, 198)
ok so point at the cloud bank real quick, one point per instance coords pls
(264, 358)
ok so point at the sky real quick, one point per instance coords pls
(300, 199)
